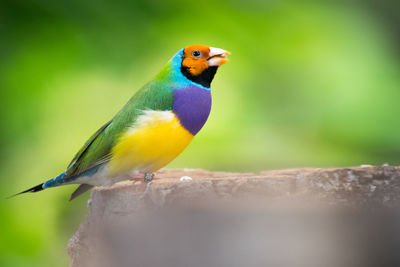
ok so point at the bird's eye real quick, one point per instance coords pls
(196, 53)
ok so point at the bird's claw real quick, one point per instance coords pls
(148, 177)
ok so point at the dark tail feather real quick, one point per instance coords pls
(80, 190)
(30, 190)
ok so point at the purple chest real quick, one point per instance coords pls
(192, 105)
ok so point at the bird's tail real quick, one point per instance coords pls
(34, 189)
(50, 183)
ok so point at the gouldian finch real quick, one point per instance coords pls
(152, 129)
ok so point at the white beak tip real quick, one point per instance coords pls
(217, 56)
(218, 52)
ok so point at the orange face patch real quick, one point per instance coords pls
(195, 58)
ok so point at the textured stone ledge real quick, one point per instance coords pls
(126, 206)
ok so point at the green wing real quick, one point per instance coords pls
(77, 164)
(153, 96)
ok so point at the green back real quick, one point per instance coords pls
(156, 95)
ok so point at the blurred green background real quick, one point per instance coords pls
(309, 84)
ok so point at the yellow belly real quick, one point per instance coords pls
(154, 141)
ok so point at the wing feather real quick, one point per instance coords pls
(97, 149)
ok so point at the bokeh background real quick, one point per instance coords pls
(309, 84)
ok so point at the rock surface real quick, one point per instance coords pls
(131, 206)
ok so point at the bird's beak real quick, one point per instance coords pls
(217, 57)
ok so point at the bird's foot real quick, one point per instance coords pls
(148, 177)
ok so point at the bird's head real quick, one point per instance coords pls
(199, 63)
(198, 58)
